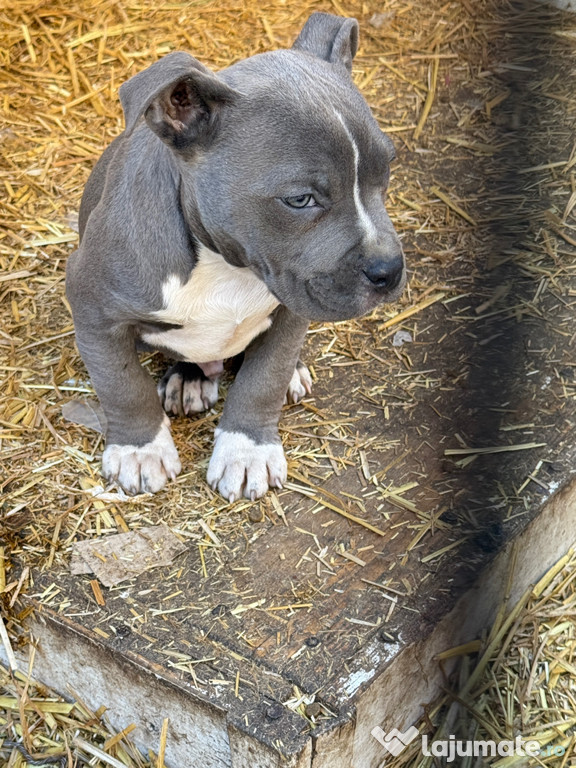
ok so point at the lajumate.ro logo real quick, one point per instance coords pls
(395, 742)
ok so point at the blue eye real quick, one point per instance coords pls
(300, 201)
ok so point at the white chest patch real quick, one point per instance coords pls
(221, 308)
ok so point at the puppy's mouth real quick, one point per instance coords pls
(337, 295)
(321, 300)
(334, 307)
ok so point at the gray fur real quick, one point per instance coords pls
(209, 159)
(330, 38)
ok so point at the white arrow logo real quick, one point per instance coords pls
(395, 741)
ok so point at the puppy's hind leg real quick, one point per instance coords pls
(185, 389)
(300, 384)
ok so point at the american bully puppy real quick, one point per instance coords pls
(234, 209)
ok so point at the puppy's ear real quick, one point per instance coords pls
(179, 98)
(332, 38)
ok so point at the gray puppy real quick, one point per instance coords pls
(232, 210)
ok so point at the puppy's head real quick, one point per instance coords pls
(284, 170)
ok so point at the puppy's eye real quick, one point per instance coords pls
(300, 201)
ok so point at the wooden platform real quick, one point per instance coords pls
(234, 709)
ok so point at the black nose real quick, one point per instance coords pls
(384, 273)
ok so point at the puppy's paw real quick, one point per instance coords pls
(184, 389)
(143, 469)
(239, 466)
(300, 384)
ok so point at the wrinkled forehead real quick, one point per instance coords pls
(296, 105)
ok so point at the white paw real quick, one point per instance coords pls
(300, 384)
(185, 396)
(143, 469)
(239, 466)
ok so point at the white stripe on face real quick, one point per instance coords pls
(363, 217)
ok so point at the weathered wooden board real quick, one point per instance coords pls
(383, 684)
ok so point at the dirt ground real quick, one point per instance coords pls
(440, 449)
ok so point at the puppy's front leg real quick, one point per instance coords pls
(140, 454)
(248, 457)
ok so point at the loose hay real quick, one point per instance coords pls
(519, 680)
(39, 728)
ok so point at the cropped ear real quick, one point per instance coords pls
(179, 98)
(332, 38)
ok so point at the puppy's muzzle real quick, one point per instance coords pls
(384, 273)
